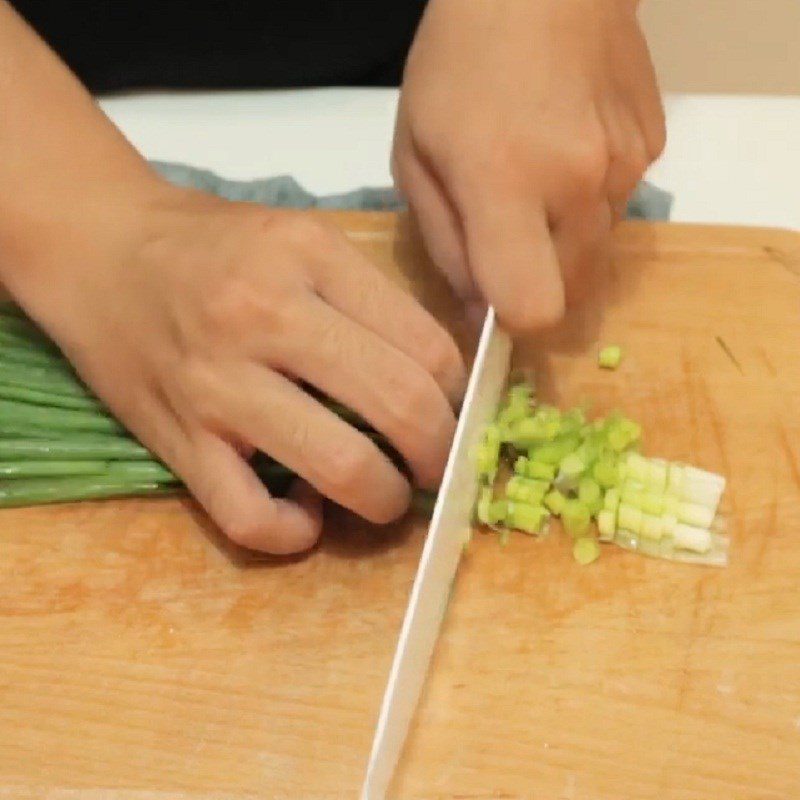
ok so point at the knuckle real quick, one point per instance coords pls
(303, 230)
(442, 358)
(238, 308)
(415, 401)
(350, 468)
(586, 164)
(200, 386)
(657, 139)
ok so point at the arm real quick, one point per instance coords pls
(194, 318)
(523, 127)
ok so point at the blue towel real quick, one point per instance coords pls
(648, 201)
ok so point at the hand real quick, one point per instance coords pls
(523, 127)
(193, 326)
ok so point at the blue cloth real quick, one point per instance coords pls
(648, 202)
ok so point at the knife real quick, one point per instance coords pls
(449, 528)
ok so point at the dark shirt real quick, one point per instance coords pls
(114, 44)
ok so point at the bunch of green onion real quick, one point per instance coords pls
(58, 442)
(536, 462)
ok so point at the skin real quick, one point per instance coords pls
(522, 130)
(193, 317)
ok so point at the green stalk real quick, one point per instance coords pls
(44, 398)
(41, 469)
(24, 354)
(140, 471)
(10, 309)
(28, 341)
(42, 379)
(83, 448)
(55, 419)
(35, 491)
(21, 327)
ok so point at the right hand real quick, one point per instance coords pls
(195, 324)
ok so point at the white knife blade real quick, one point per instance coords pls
(450, 524)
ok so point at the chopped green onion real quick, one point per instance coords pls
(629, 518)
(607, 524)
(586, 550)
(606, 472)
(589, 494)
(521, 465)
(576, 518)
(540, 471)
(555, 501)
(687, 537)
(572, 466)
(610, 357)
(526, 490)
(611, 500)
(526, 517)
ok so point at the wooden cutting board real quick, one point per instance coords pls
(141, 657)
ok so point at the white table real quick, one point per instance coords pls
(729, 159)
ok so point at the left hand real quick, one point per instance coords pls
(523, 128)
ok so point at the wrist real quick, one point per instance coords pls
(50, 238)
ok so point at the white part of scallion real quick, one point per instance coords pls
(689, 537)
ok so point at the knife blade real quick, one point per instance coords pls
(450, 524)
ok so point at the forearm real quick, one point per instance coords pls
(65, 170)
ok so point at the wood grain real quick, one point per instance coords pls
(140, 657)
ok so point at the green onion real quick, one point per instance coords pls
(555, 502)
(540, 471)
(33, 491)
(576, 518)
(526, 517)
(106, 448)
(586, 550)
(607, 524)
(55, 419)
(610, 357)
(585, 472)
(38, 469)
(45, 398)
(526, 490)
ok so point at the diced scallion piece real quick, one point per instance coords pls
(555, 501)
(488, 454)
(589, 471)
(610, 357)
(576, 518)
(540, 471)
(611, 500)
(605, 471)
(526, 518)
(589, 494)
(607, 524)
(526, 490)
(572, 465)
(586, 550)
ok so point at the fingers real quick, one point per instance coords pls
(438, 223)
(582, 242)
(237, 501)
(385, 386)
(353, 286)
(280, 419)
(513, 259)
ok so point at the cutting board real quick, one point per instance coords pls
(143, 657)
